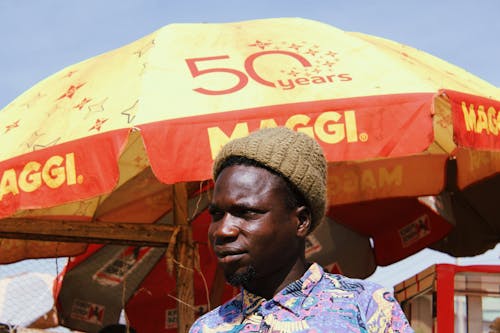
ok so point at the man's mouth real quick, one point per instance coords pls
(229, 256)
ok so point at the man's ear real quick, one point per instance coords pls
(304, 221)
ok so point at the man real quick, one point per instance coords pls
(269, 194)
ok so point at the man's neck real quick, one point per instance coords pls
(269, 286)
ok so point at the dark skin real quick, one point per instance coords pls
(252, 227)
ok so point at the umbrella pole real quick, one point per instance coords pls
(184, 256)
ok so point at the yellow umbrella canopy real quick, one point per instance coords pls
(156, 112)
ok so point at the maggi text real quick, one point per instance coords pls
(330, 127)
(54, 173)
(481, 120)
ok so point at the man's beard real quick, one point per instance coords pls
(241, 279)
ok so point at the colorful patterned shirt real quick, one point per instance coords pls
(318, 302)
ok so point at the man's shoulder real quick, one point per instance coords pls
(349, 287)
(343, 281)
(225, 312)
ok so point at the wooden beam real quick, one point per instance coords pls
(154, 235)
(184, 254)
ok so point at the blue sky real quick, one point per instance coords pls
(39, 38)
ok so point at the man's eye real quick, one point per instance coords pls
(248, 214)
(216, 215)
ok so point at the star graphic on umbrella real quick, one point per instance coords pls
(329, 63)
(140, 162)
(80, 105)
(51, 143)
(145, 48)
(70, 73)
(11, 126)
(32, 139)
(130, 112)
(407, 57)
(331, 54)
(312, 52)
(144, 67)
(71, 91)
(261, 45)
(445, 121)
(294, 46)
(32, 100)
(96, 107)
(82, 208)
(55, 108)
(98, 124)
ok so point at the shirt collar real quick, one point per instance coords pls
(290, 297)
(250, 302)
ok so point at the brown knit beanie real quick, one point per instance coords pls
(294, 155)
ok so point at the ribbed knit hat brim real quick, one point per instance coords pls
(294, 155)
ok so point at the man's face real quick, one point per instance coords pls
(252, 232)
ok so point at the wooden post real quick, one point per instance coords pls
(184, 255)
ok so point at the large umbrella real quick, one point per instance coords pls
(405, 135)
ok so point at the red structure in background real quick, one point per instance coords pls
(448, 298)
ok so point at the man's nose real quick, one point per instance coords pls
(226, 230)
